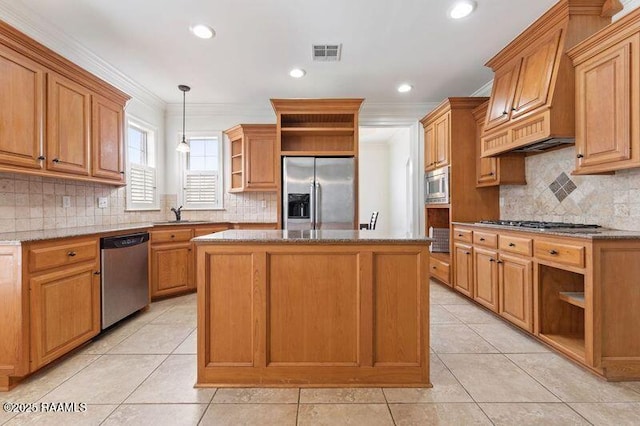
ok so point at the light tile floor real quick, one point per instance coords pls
(483, 371)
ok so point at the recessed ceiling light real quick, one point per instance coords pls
(202, 31)
(404, 88)
(297, 73)
(462, 9)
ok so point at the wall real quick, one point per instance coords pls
(373, 182)
(401, 205)
(608, 200)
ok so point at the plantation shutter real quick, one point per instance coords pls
(201, 188)
(142, 183)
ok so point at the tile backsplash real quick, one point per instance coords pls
(608, 200)
(30, 203)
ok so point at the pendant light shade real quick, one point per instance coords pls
(183, 146)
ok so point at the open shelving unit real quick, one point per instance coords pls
(562, 309)
(237, 165)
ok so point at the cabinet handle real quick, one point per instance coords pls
(499, 261)
(71, 254)
(466, 252)
(481, 239)
(433, 267)
(42, 158)
(553, 252)
(121, 173)
(514, 109)
(491, 174)
(505, 113)
(56, 160)
(459, 235)
(580, 156)
(492, 260)
(173, 236)
(96, 273)
(512, 244)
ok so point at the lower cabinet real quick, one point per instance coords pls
(65, 311)
(516, 290)
(463, 270)
(171, 269)
(485, 270)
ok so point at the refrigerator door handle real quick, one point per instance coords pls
(312, 213)
(316, 214)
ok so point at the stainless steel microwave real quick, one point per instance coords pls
(436, 186)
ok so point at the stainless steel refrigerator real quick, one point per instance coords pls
(318, 193)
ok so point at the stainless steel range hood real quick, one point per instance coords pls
(546, 144)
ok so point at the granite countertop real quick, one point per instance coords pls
(16, 238)
(311, 237)
(586, 234)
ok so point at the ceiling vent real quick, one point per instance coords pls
(327, 52)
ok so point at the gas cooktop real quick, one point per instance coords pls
(539, 225)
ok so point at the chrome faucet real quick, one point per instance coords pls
(177, 212)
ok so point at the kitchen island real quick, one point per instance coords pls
(312, 308)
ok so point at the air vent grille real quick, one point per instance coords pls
(327, 52)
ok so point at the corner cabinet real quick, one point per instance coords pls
(253, 157)
(58, 120)
(607, 98)
(532, 96)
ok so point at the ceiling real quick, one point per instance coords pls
(384, 43)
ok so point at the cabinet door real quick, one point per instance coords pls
(68, 126)
(504, 88)
(171, 269)
(429, 148)
(106, 139)
(534, 80)
(442, 128)
(516, 290)
(485, 278)
(65, 311)
(604, 111)
(261, 163)
(21, 110)
(463, 269)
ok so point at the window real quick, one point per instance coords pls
(141, 187)
(202, 177)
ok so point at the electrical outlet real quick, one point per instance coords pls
(66, 201)
(103, 202)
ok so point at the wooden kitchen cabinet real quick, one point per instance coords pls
(68, 125)
(463, 269)
(65, 311)
(171, 269)
(532, 98)
(607, 100)
(107, 147)
(515, 284)
(21, 110)
(253, 157)
(58, 120)
(485, 278)
(442, 131)
(429, 148)
(506, 169)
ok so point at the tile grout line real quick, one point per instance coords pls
(387, 403)
(298, 406)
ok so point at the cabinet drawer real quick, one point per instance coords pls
(485, 239)
(42, 257)
(171, 236)
(568, 254)
(465, 235)
(439, 269)
(518, 245)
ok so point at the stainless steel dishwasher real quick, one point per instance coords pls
(125, 279)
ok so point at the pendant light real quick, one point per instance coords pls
(183, 146)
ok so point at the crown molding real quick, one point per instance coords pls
(484, 90)
(35, 26)
(393, 114)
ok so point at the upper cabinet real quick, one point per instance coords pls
(253, 157)
(532, 101)
(317, 127)
(607, 98)
(437, 138)
(57, 119)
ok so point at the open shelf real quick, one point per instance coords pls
(573, 343)
(317, 131)
(575, 298)
(437, 206)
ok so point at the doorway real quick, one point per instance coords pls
(385, 177)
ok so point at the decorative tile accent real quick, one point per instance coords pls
(562, 186)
